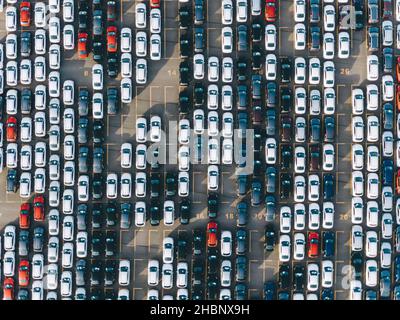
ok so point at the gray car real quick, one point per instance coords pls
(82, 130)
(270, 208)
(241, 268)
(38, 240)
(26, 44)
(241, 238)
(81, 217)
(384, 284)
(23, 243)
(80, 270)
(98, 154)
(242, 38)
(26, 101)
(83, 159)
(126, 212)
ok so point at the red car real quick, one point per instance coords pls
(11, 126)
(25, 14)
(82, 45)
(270, 10)
(112, 39)
(398, 97)
(38, 208)
(154, 4)
(313, 244)
(212, 229)
(398, 182)
(24, 212)
(8, 289)
(23, 273)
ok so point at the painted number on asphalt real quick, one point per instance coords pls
(171, 73)
(259, 216)
(344, 71)
(344, 217)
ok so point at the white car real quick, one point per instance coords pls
(112, 185)
(40, 69)
(198, 121)
(372, 97)
(327, 276)
(313, 187)
(126, 90)
(124, 271)
(68, 37)
(357, 96)
(12, 155)
(40, 154)
(314, 70)
(141, 130)
(270, 66)
(227, 70)
(357, 184)
(299, 70)
(357, 157)
(40, 14)
(371, 273)
(25, 185)
(312, 277)
(97, 106)
(285, 219)
(398, 211)
(225, 274)
(168, 250)
(227, 124)
(387, 226)
(198, 66)
(355, 290)
(12, 73)
(315, 102)
(69, 147)
(300, 36)
(270, 150)
(299, 10)
(155, 47)
(314, 214)
(37, 290)
(386, 254)
(68, 201)
(184, 131)
(329, 74)
(11, 101)
(212, 178)
(155, 129)
(356, 238)
(69, 122)
(299, 189)
(40, 180)
(68, 10)
(372, 186)
(212, 97)
(37, 266)
(11, 18)
(387, 33)
(83, 188)
(328, 215)
(52, 247)
(357, 210)
(66, 283)
(126, 40)
(54, 6)
(26, 157)
(97, 77)
(40, 41)
(182, 274)
(81, 244)
(344, 45)
(371, 244)
(387, 87)
(140, 16)
(126, 65)
(54, 56)
(372, 159)
(141, 151)
(328, 157)
(299, 246)
(155, 20)
(271, 35)
(126, 155)
(54, 194)
(69, 173)
(329, 18)
(213, 123)
(141, 44)
(25, 68)
(54, 30)
(213, 69)
(140, 184)
(54, 84)
(68, 92)
(241, 10)
(358, 129)
(227, 12)
(299, 159)
(372, 67)
(11, 47)
(67, 256)
(141, 71)
(372, 129)
(9, 264)
(299, 216)
(169, 213)
(140, 213)
(52, 276)
(387, 143)
(328, 45)
(284, 248)
(126, 185)
(227, 39)
(227, 151)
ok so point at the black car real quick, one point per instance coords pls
(270, 238)
(83, 130)
(242, 43)
(112, 66)
(359, 13)
(271, 94)
(212, 205)
(26, 101)
(286, 128)
(329, 187)
(83, 20)
(315, 39)
(98, 160)
(97, 216)
(199, 39)
(98, 131)
(197, 292)
(112, 100)
(80, 272)
(269, 290)
(184, 211)
(83, 159)
(83, 102)
(2, 99)
(109, 272)
(171, 184)
(257, 58)
(12, 181)
(256, 32)
(241, 241)
(199, 11)
(329, 124)
(199, 94)
(182, 249)
(327, 294)
(397, 269)
(96, 294)
(240, 292)
(111, 243)
(241, 184)
(96, 271)
(184, 102)
(242, 97)
(256, 192)
(155, 184)
(298, 277)
(111, 214)
(212, 264)
(286, 185)
(197, 272)
(212, 286)
(270, 208)
(154, 212)
(26, 44)
(270, 179)
(241, 268)
(184, 17)
(184, 73)
(256, 83)
(185, 46)
(286, 70)
(97, 240)
(257, 165)
(286, 156)
(286, 99)
(198, 243)
(315, 130)
(284, 276)
(82, 216)
(241, 70)
(357, 263)
(97, 186)
(111, 11)
(98, 51)
(242, 215)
